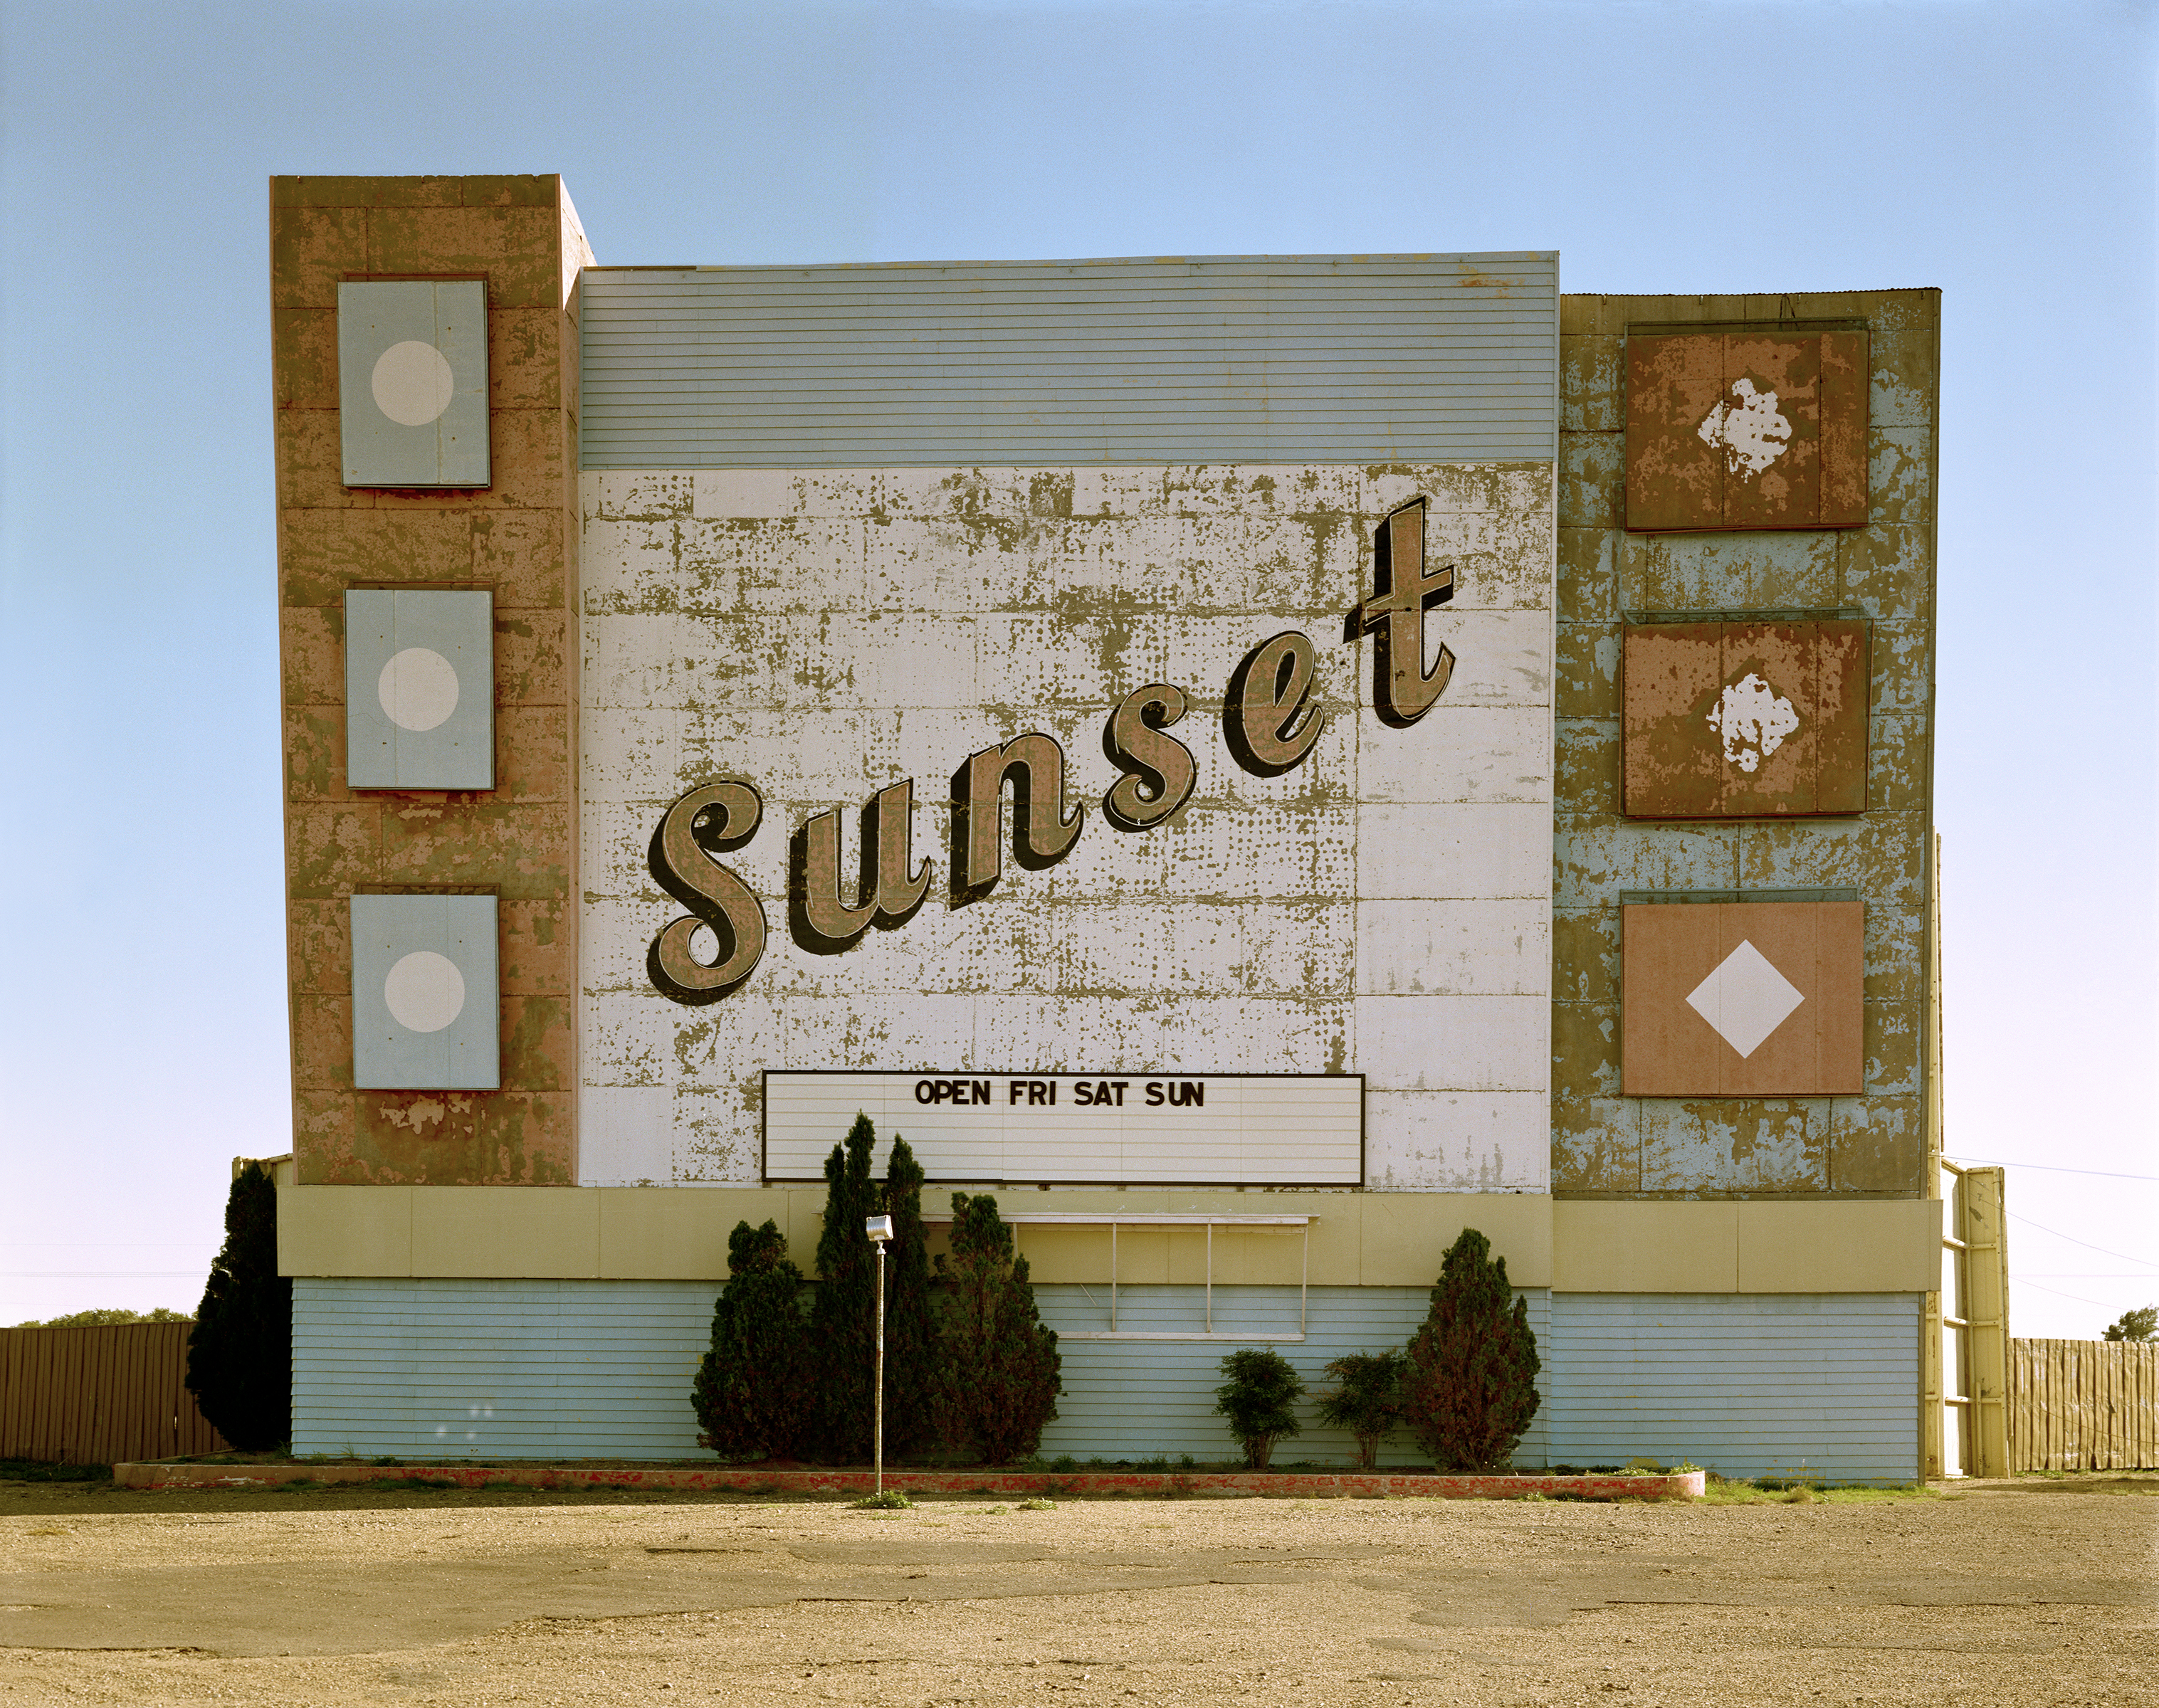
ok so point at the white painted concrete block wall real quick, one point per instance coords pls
(1386, 908)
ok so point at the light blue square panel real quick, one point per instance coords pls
(412, 382)
(419, 690)
(425, 1010)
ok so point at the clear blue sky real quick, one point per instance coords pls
(2004, 153)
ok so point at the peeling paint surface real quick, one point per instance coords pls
(1749, 427)
(1641, 648)
(1382, 905)
(1754, 719)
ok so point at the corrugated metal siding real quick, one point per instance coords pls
(1129, 1400)
(489, 1370)
(1300, 359)
(99, 1395)
(1746, 1384)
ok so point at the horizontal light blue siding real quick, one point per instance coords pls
(1294, 359)
(1130, 1399)
(509, 1369)
(1745, 1384)
(486, 1369)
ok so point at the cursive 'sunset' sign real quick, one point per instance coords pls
(1268, 724)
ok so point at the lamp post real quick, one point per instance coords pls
(879, 1230)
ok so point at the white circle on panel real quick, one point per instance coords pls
(418, 688)
(412, 383)
(425, 991)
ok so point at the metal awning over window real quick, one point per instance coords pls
(1187, 1220)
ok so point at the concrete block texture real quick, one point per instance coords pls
(1604, 1145)
(1382, 905)
(514, 539)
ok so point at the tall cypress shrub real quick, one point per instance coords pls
(842, 1320)
(1000, 1367)
(239, 1357)
(910, 1337)
(755, 1393)
(1471, 1388)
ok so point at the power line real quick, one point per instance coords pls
(2056, 1168)
(2060, 1294)
(2125, 1256)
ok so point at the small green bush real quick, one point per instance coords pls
(892, 1500)
(1471, 1388)
(1257, 1398)
(1368, 1403)
(239, 1357)
(755, 1391)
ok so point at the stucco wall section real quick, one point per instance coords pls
(1384, 907)
(518, 538)
(1603, 1144)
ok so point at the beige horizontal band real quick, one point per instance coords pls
(1356, 1238)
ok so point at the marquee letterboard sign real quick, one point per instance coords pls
(1126, 1128)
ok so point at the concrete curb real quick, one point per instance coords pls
(1381, 1485)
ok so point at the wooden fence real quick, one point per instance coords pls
(2084, 1405)
(96, 1396)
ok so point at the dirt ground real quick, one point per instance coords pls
(2035, 1592)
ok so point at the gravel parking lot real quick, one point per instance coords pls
(2026, 1593)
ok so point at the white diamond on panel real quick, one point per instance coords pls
(1745, 999)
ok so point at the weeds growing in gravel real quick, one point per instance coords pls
(892, 1500)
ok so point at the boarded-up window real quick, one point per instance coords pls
(425, 1010)
(1742, 999)
(413, 382)
(1744, 719)
(419, 674)
(1746, 430)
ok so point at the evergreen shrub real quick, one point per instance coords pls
(1257, 1399)
(911, 1350)
(1368, 1403)
(999, 1368)
(239, 1357)
(843, 1317)
(755, 1392)
(1471, 1388)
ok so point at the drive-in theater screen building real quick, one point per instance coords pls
(1263, 762)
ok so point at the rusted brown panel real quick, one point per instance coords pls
(1785, 493)
(1669, 954)
(502, 1138)
(1669, 757)
(1745, 720)
(1674, 478)
(1844, 392)
(1781, 781)
(1747, 430)
(1842, 676)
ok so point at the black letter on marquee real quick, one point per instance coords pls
(1402, 589)
(1158, 768)
(1266, 693)
(712, 818)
